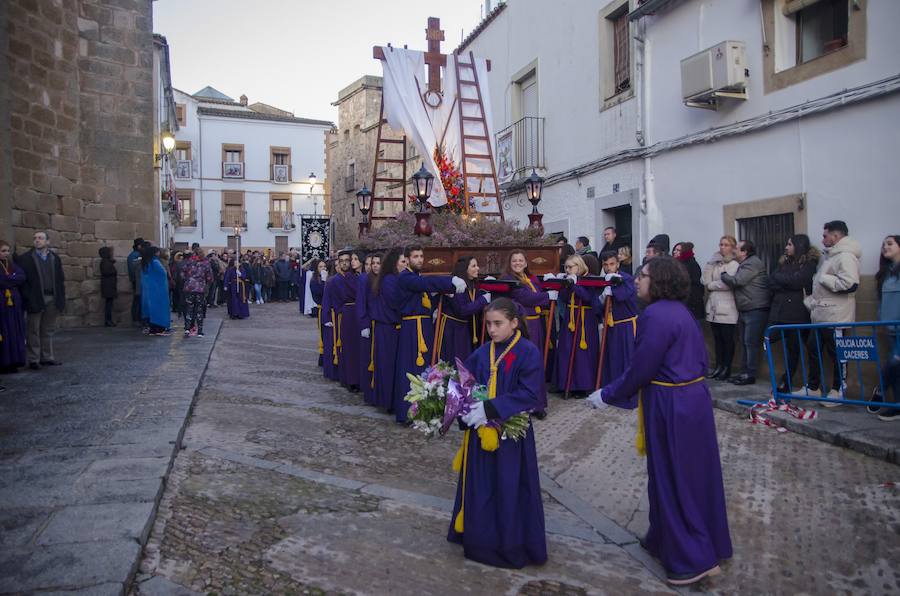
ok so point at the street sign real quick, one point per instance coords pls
(856, 348)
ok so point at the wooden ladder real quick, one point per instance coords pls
(474, 168)
(383, 185)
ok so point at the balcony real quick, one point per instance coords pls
(281, 220)
(232, 217)
(520, 147)
(186, 219)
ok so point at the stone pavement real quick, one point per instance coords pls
(288, 484)
(84, 452)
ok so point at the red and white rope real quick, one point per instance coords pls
(757, 414)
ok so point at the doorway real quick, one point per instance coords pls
(620, 218)
(281, 244)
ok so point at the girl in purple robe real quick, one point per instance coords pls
(459, 328)
(319, 270)
(536, 305)
(344, 304)
(688, 530)
(329, 330)
(237, 289)
(577, 331)
(621, 323)
(498, 516)
(365, 297)
(386, 326)
(12, 318)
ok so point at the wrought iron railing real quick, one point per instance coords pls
(233, 217)
(283, 220)
(519, 148)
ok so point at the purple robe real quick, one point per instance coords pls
(317, 289)
(584, 367)
(688, 523)
(620, 333)
(386, 335)
(364, 321)
(460, 324)
(503, 516)
(237, 289)
(330, 355)
(12, 318)
(536, 305)
(410, 300)
(343, 300)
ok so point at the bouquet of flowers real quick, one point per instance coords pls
(441, 393)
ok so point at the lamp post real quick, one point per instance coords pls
(534, 185)
(312, 186)
(364, 202)
(237, 239)
(422, 184)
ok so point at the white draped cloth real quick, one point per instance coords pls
(405, 81)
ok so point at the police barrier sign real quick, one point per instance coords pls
(856, 348)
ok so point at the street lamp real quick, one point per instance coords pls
(167, 143)
(423, 181)
(312, 186)
(534, 186)
(364, 202)
(237, 239)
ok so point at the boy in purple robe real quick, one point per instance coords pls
(535, 304)
(365, 297)
(343, 299)
(577, 331)
(621, 323)
(12, 318)
(459, 328)
(410, 297)
(498, 516)
(237, 289)
(386, 326)
(676, 428)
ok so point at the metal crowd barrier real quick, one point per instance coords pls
(851, 350)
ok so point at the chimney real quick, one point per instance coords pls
(243, 100)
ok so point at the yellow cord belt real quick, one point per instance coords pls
(640, 441)
(423, 347)
(334, 339)
(525, 280)
(582, 344)
(319, 327)
(372, 356)
(612, 323)
(489, 436)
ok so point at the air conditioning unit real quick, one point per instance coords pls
(715, 73)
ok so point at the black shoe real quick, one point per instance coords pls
(743, 379)
(34, 366)
(877, 399)
(109, 324)
(50, 362)
(724, 375)
(888, 414)
(540, 415)
(684, 579)
(714, 372)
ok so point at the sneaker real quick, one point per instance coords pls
(201, 334)
(875, 407)
(888, 414)
(684, 579)
(187, 332)
(833, 394)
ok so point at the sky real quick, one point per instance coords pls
(295, 54)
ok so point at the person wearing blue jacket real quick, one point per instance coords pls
(888, 280)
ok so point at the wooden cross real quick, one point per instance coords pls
(433, 57)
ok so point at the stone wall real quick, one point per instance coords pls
(80, 112)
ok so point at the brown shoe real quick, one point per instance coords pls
(684, 579)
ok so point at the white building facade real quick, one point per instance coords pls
(245, 174)
(808, 135)
(164, 123)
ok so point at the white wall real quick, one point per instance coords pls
(208, 133)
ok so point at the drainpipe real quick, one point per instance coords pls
(648, 207)
(202, 208)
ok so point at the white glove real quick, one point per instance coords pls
(487, 296)
(490, 277)
(607, 291)
(560, 276)
(323, 275)
(476, 416)
(329, 324)
(596, 400)
(549, 276)
(572, 278)
(553, 294)
(611, 276)
(367, 333)
(459, 284)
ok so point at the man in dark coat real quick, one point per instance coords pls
(44, 297)
(131, 264)
(612, 239)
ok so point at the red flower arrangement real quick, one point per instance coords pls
(452, 180)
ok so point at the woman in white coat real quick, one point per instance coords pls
(721, 311)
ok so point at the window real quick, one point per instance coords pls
(280, 169)
(615, 54)
(182, 150)
(181, 114)
(350, 178)
(808, 38)
(233, 213)
(280, 213)
(769, 234)
(821, 28)
(232, 161)
(186, 215)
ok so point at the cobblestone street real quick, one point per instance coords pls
(287, 484)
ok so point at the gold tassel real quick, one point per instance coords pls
(9, 301)
(319, 325)
(572, 314)
(583, 343)
(333, 340)
(426, 301)
(490, 438)
(423, 347)
(340, 319)
(640, 441)
(372, 350)
(458, 524)
(458, 459)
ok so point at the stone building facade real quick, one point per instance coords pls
(76, 104)
(350, 150)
